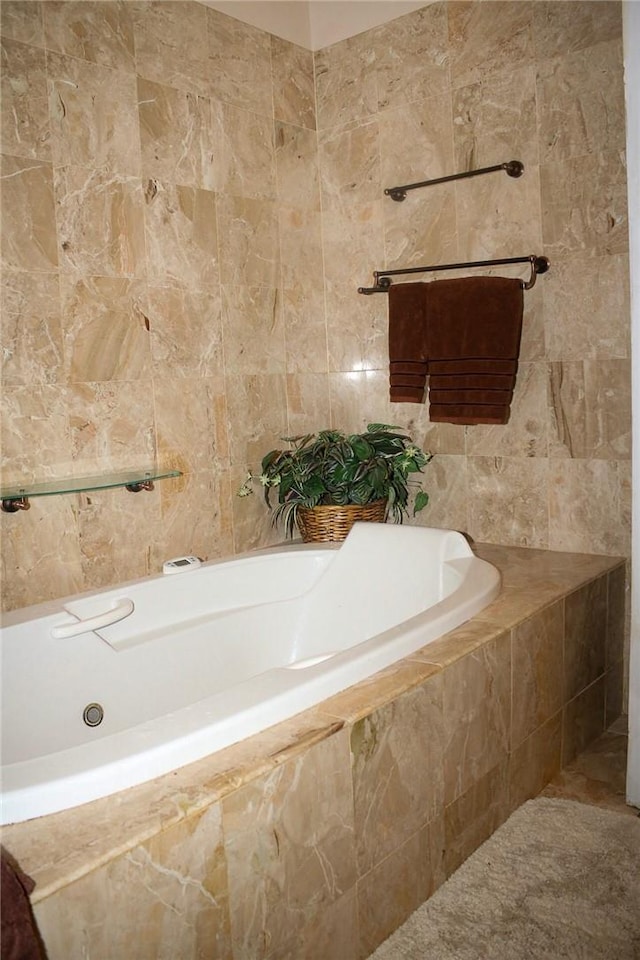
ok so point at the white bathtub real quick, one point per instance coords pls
(212, 655)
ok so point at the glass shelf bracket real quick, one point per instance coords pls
(15, 498)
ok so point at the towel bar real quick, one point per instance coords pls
(513, 168)
(383, 282)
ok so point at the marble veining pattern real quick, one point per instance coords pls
(94, 116)
(181, 234)
(185, 328)
(538, 663)
(26, 130)
(476, 705)
(28, 237)
(105, 328)
(176, 135)
(171, 44)
(577, 219)
(396, 758)
(239, 63)
(297, 166)
(487, 40)
(101, 33)
(582, 431)
(412, 57)
(19, 22)
(581, 103)
(100, 222)
(302, 857)
(31, 326)
(293, 88)
(558, 29)
(588, 498)
(496, 117)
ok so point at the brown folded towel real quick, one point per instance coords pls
(474, 318)
(408, 366)
(467, 366)
(407, 389)
(406, 394)
(474, 327)
(472, 381)
(469, 414)
(20, 936)
(503, 397)
(406, 380)
(468, 329)
(407, 345)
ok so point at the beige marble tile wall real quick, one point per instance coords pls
(161, 173)
(453, 87)
(162, 278)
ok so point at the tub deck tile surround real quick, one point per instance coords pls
(295, 827)
(322, 834)
(537, 650)
(476, 715)
(395, 887)
(536, 761)
(474, 816)
(397, 766)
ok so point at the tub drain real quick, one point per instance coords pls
(93, 714)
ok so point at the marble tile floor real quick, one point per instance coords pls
(597, 776)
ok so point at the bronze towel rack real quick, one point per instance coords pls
(513, 168)
(383, 281)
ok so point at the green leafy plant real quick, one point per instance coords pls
(331, 467)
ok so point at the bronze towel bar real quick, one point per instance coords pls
(383, 281)
(513, 168)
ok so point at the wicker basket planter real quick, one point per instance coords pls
(332, 523)
(378, 468)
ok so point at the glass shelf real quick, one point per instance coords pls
(16, 497)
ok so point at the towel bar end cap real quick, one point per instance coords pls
(514, 168)
(13, 504)
(396, 193)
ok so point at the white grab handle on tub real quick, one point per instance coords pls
(121, 609)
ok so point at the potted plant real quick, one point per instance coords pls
(326, 481)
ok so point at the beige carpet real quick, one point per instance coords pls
(558, 880)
